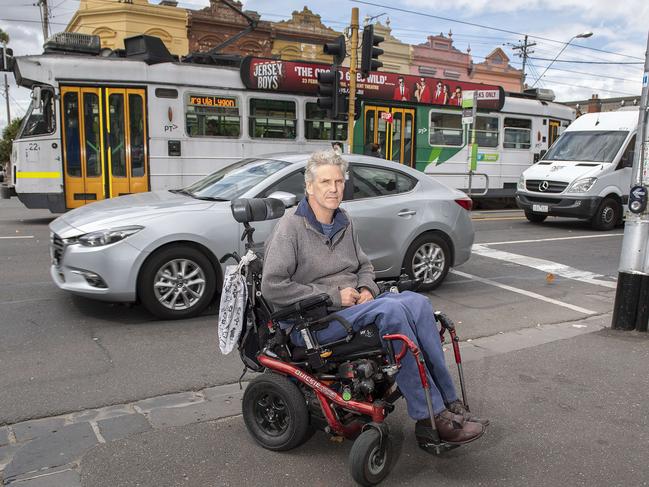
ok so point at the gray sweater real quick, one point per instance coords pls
(300, 261)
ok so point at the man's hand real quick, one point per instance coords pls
(349, 296)
(365, 296)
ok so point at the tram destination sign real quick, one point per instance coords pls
(280, 76)
(212, 101)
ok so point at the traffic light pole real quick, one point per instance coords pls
(352, 80)
(631, 310)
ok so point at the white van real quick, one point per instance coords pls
(586, 173)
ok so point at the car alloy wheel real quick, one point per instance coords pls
(428, 258)
(428, 262)
(179, 284)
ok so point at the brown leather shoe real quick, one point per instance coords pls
(452, 429)
(457, 407)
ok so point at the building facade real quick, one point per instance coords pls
(597, 104)
(113, 20)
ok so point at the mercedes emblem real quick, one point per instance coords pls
(544, 186)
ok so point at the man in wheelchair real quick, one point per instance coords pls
(314, 249)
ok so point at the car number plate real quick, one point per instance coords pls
(540, 208)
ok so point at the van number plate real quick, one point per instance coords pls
(540, 208)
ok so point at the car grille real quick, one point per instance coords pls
(553, 186)
(57, 247)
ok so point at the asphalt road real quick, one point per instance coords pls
(59, 353)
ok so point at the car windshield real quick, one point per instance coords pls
(595, 146)
(234, 180)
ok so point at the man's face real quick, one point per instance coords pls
(400, 81)
(326, 189)
(421, 81)
(439, 86)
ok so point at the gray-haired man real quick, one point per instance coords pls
(314, 249)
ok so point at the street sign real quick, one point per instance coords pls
(467, 116)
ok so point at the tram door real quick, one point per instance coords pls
(553, 131)
(104, 143)
(392, 129)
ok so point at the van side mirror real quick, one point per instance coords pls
(627, 159)
(543, 152)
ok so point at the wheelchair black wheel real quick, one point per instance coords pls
(368, 461)
(275, 413)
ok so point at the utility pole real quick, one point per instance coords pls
(352, 80)
(45, 18)
(631, 310)
(524, 52)
(7, 100)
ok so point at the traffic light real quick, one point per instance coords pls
(329, 96)
(337, 49)
(370, 54)
(6, 59)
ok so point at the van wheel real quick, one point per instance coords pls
(535, 217)
(607, 215)
(177, 282)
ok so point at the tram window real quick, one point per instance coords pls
(166, 93)
(92, 134)
(517, 133)
(445, 129)
(486, 131)
(212, 116)
(136, 121)
(39, 119)
(371, 182)
(71, 128)
(318, 127)
(272, 119)
(117, 138)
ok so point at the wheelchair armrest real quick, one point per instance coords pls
(313, 305)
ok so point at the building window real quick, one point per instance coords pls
(212, 116)
(318, 127)
(486, 131)
(445, 129)
(272, 119)
(518, 133)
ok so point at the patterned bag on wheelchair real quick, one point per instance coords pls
(232, 308)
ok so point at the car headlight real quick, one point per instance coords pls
(582, 185)
(521, 183)
(106, 237)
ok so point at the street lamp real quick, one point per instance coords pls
(583, 35)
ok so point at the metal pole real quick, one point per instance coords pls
(524, 63)
(45, 19)
(631, 310)
(474, 112)
(7, 100)
(352, 80)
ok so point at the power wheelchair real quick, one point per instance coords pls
(346, 388)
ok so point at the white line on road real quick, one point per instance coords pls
(19, 236)
(553, 239)
(545, 266)
(525, 293)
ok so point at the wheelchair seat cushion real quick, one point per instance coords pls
(366, 341)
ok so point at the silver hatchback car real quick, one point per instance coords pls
(163, 248)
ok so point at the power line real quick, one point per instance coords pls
(473, 24)
(591, 87)
(583, 62)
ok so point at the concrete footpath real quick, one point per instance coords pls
(568, 403)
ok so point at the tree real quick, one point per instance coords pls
(4, 37)
(8, 136)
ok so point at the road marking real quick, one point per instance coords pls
(525, 293)
(20, 236)
(553, 239)
(544, 265)
(95, 429)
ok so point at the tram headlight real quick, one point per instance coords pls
(106, 237)
(582, 185)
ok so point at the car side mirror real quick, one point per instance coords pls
(289, 199)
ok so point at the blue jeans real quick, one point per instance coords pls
(408, 314)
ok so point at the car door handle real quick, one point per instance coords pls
(407, 212)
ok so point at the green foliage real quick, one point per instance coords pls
(8, 136)
(4, 37)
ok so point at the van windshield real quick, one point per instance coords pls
(592, 146)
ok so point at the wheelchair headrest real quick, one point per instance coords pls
(256, 209)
